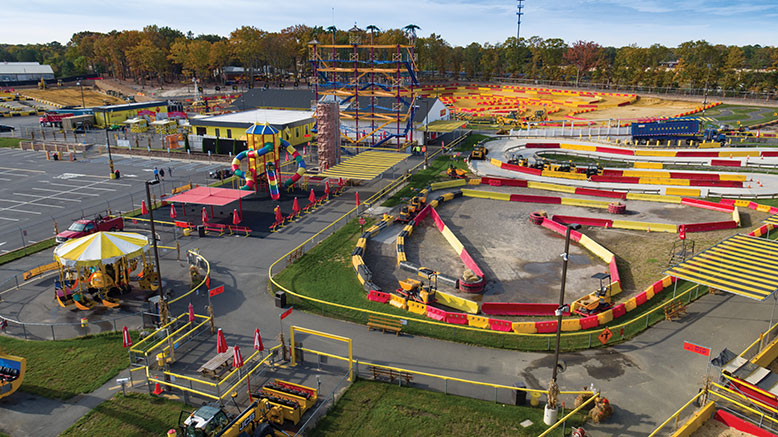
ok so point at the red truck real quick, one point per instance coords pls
(53, 119)
(83, 227)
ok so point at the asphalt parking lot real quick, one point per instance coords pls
(35, 192)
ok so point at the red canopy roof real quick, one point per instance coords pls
(209, 196)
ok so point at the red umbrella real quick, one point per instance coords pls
(221, 343)
(235, 217)
(237, 358)
(258, 341)
(126, 340)
(327, 187)
(357, 199)
(191, 313)
(173, 214)
(295, 207)
(279, 216)
(143, 209)
(205, 216)
(312, 197)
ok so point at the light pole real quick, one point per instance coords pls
(108, 143)
(83, 105)
(705, 94)
(559, 311)
(156, 251)
(426, 121)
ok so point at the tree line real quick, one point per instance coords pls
(165, 55)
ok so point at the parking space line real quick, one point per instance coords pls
(91, 188)
(23, 169)
(67, 191)
(30, 202)
(39, 197)
(4, 179)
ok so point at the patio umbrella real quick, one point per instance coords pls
(126, 340)
(235, 217)
(143, 208)
(279, 216)
(101, 248)
(191, 313)
(237, 358)
(258, 341)
(295, 207)
(221, 342)
(205, 216)
(312, 197)
(173, 214)
(327, 188)
(357, 199)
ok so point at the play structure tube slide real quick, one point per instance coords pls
(272, 180)
(300, 164)
(249, 185)
(270, 169)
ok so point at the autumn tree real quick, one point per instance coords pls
(584, 55)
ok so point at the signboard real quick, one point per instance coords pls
(216, 291)
(442, 112)
(697, 349)
(605, 335)
(286, 313)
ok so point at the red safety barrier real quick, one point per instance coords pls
(486, 180)
(725, 163)
(741, 425)
(614, 150)
(610, 172)
(600, 193)
(710, 226)
(500, 325)
(436, 218)
(519, 309)
(695, 154)
(456, 318)
(641, 298)
(769, 154)
(546, 327)
(773, 210)
(535, 199)
(436, 314)
(755, 393)
(694, 176)
(619, 310)
(378, 296)
(614, 271)
(704, 204)
(520, 169)
(589, 322)
(658, 286)
(585, 221)
(615, 179)
(470, 263)
(542, 145)
(730, 202)
(180, 224)
(556, 227)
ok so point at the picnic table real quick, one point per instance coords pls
(216, 365)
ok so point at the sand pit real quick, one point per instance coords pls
(715, 428)
(72, 96)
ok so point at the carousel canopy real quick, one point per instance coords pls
(101, 248)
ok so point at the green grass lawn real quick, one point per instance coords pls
(29, 250)
(62, 369)
(132, 415)
(379, 409)
(10, 142)
(742, 114)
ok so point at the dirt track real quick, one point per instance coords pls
(72, 96)
(645, 107)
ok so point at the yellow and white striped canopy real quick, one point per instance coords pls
(101, 248)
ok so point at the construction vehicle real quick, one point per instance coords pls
(408, 212)
(539, 115)
(415, 290)
(455, 173)
(593, 170)
(278, 401)
(479, 152)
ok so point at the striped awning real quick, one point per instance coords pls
(741, 264)
(366, 165)
(773, 219)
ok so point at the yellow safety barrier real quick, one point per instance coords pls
(615, 288)
(664, 181)
(649, 292)
(452, 240)
(663, 153)
(712, 145)
(696, 421)
(551, 187)
(476, 181)
(455, 302)
(646, 174)
(362, 243)
(585, 202)
(742, 203)
(605, 317)
(645, 226)
(563, 175)
(477, 321)
(733, 177)
(524, 327)
(685, 192)
(763, 208)
(736, 216)
(417, 308)
(582, 147)
(569, 325)
(448, 196)
(739, 153)
(654, 165)
(447, 184)
(767, 355)
(654, 198)
(495, 162)
(396, 301)
(595, 248)
(667, 281)
(356, 261)
(486, 194)
(40, 270)
(631, 304)
(401, 257)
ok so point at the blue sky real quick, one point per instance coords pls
(608, 22)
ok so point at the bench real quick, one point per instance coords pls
(384, 324)
(214, 367)
(675, 309)
(216, 227)
(237, 228)
(391, 374)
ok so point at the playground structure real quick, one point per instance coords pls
(101, 265)
(376, 84)
(269, 152)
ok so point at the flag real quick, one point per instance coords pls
(286, 313)
(216, 291)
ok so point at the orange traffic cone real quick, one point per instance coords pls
(157, 389)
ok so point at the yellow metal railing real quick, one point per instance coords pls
(202, 282)
(570, 414)
(677, 414)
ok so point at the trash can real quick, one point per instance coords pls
(521, 395)
(280, 299)
(200, 231)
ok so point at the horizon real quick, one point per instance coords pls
(643, 23)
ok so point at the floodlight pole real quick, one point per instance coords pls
(154, 241)
(108, 141)
(560, 309)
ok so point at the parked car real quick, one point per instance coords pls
(6, 128)
(223, 173)
(84, 227)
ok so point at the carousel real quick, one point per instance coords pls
(98, 268)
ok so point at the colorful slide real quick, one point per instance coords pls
(250, 154)
(270, 169)
(272, 180)
(300, 164)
